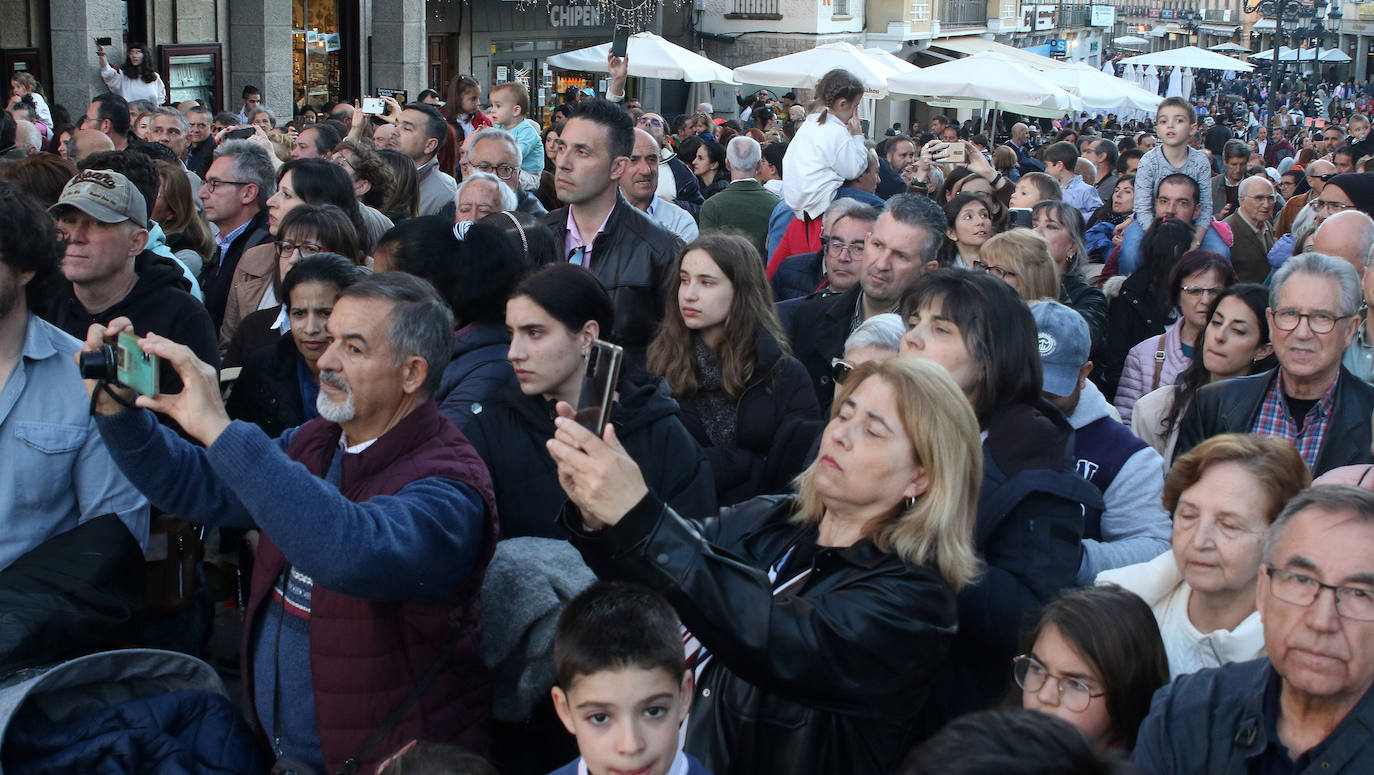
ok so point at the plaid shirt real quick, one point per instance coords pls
(1274, 420)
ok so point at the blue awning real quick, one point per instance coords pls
(1043, 51)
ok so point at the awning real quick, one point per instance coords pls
(1263, 25)
(1218, 29)
(972, 44)
(1164, 29)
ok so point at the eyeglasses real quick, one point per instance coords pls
(840, 369)
(1332, 207)
(978, 263)
(1287, 319)
(285, 248)
(1355, 603)
(1198, 290)
(1261, 197)
(837, 246)
(1322, 178)
(502, 171)
(650, 122)
(214, 183)
(1031, 677)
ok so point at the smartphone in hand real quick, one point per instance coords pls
(373, 106)
(598, 385)
(620, 44)
(104, 41)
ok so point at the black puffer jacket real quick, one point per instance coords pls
(820, 678)
(1134, 316)
(779, 393)
(478, 370)
(1029, 535)
(509, 432)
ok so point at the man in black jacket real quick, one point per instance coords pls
(904, 243)
(100, 216)
(1309, 399)
(630, 254)
(235, 193)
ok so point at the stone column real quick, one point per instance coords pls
(75, 69)
(400, 50)
(259, 53)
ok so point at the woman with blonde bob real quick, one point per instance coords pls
(1021, 257)
(832, 608)
(1223, 494)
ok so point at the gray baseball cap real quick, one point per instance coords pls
(1065, 345)
(105, 195)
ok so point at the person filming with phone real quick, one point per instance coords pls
(556, 317)
(377, 522)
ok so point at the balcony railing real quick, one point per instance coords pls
(1074, 16)
(963, 13)
(755, 8)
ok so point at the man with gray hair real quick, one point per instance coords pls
(376, 518)
(744, 205)
(1307, 705)
(494, 150)
(234, 195)
(1254, 237)
(903, 244)
(1309, 398)
(481, 194)
(1235, 158)
(835, 267)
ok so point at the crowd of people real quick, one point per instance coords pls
(929, 454)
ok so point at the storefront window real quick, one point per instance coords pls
(317, 57)
(523, 60)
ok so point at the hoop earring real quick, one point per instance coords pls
(908, 503)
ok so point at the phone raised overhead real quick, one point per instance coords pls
(620, 44)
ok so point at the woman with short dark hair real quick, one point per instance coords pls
(1102, 648)
(1030, 512)
(1144, 306)
(137, 79)
(708, 164)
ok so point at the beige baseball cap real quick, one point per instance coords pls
(105, 195)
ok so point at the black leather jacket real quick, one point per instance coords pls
(1230, 406)
(822, 678)
(633, 258)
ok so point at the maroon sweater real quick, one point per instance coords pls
(367, 655)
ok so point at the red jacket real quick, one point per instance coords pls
(367, 655)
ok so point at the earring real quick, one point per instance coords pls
(909, 503)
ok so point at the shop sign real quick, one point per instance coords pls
(575, 16)
(399, 95)
(1044, 16)
(1154, 13)
(1026, 22)
(1167, 13)
(1104, 16)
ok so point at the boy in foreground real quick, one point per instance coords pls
(623, 686)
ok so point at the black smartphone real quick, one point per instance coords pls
(104, 41)
(598, 385)
(239, 134)
(1020, 217)
(620, 44)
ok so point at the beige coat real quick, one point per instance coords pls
(252, 277)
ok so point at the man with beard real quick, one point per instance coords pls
(377, 521)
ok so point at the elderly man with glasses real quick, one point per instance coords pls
(494, 151)
(1309, 398)
(1307, 705)
(1317, 173)
(1250, 224)
(676, 183)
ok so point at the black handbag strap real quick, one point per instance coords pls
(355, 761)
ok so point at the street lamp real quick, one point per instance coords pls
(1190, 19)
(1306, 18)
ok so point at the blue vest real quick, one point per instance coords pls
(1101, 448)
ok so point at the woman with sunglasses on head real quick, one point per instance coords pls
(727, 362)
(1234, 343)
(1198, 278)
(299, 182)
(1223, 494)
(1030, 511)
(303, 232)
(1094, 659)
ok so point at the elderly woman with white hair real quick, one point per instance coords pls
(876, 339)
(481, 194)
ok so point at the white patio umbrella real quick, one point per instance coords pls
(1191, 56)
(1149, 80)
(1175, 87)
(1101, 92)
(804, 68)
(1229, 48)
(891, 60)
(650, 56)
(1333, 55)
(988, 80)
(1187, 83)
(1108, 69)
(1130, 41)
